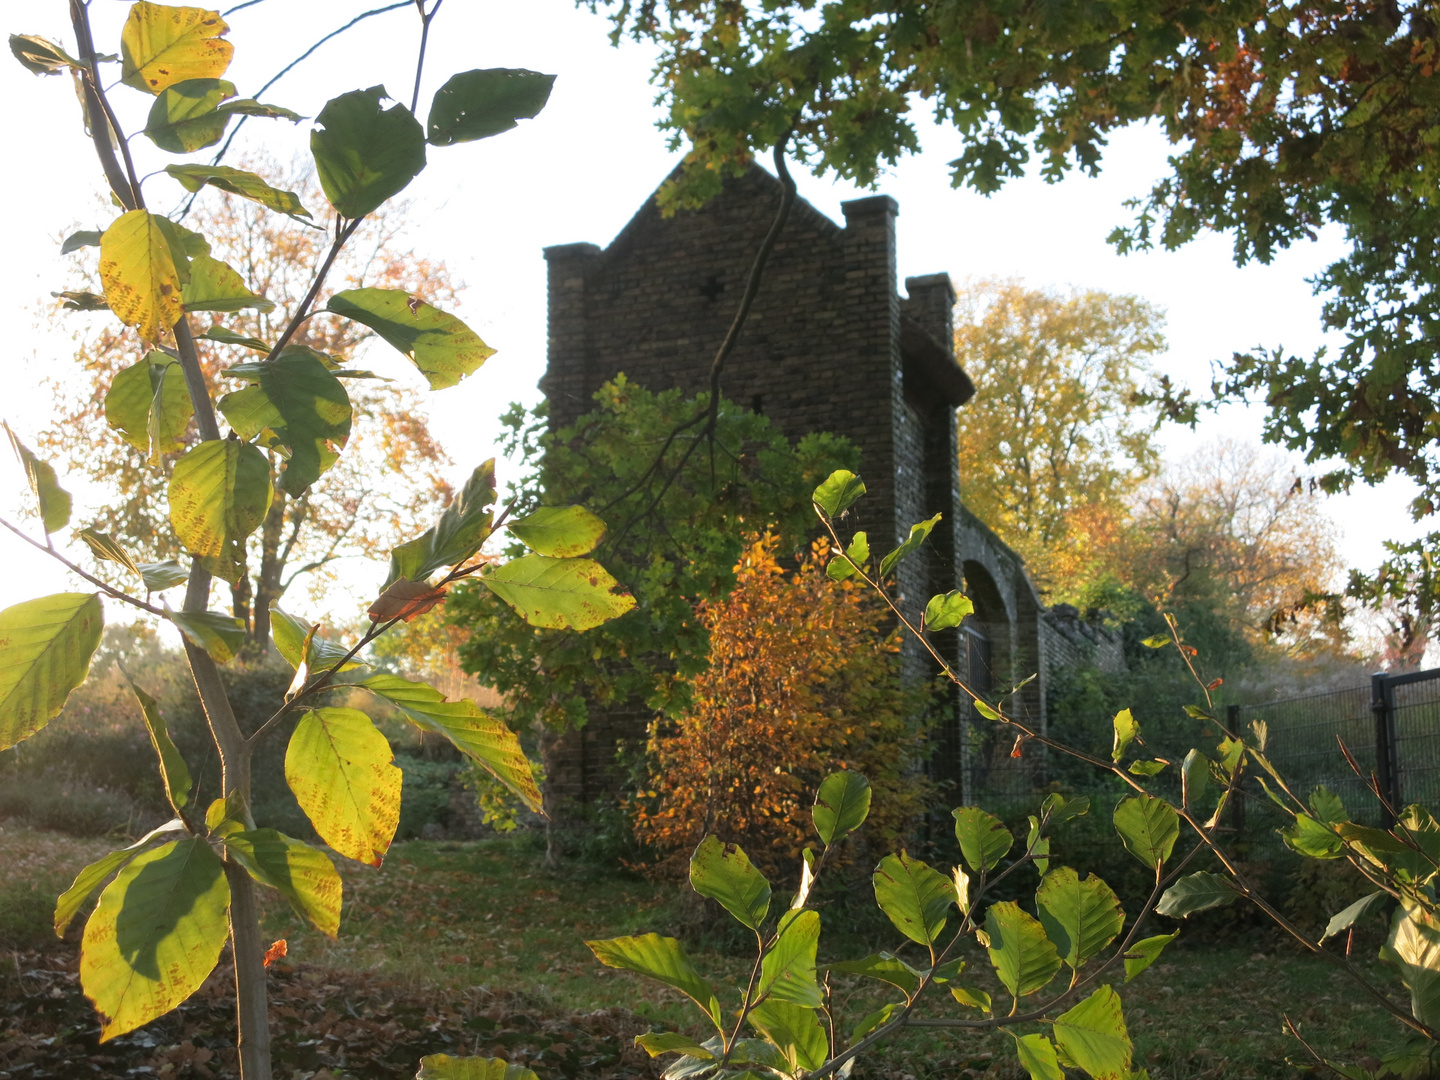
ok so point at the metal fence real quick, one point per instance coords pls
(1391, 729)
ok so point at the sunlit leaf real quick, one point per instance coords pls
(478, 104)
(1092, 1036)
(463, 526)
(405, 599)
(82, 301)
(559, 531)
(342, 772)
(365, 153)
(947, 609)
(230, 337)
(41, 56)
(1126, 731)
(239, 182)
(787, 972)
(838, 493)
(917, 536)
(174, 773)
(1023, 956)
(160, 576)
(662, 959)
(222, 636)
(972, 998)
(1366, 905)
(219, 494)
(162, 45)
(155, 935)
(884, 967)
(304, 875)
(290, 635)
(1414, 948)
(796, 1030)
(45, 650)
(671, 1042)
(1199, 891)
(95, 875)
(1312, 839)
(442, 347)
(215, 286)
(559, 594)
(1037, 1055)
(133, 395)
(183, 118)
(475, 733)
(724, 873)
(844, 566)
(1080, 916)
(52, 500)
(105, 547)
(1148, 827)
(445, 1067)
(138, 271)
(842, 803)
(983, 838)
(1145, 952)
(914, 896)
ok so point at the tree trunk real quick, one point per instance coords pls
(267, 581)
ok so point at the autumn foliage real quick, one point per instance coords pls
(803, 680)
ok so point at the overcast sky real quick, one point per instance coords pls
(579, 172)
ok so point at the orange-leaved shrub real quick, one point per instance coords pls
(803, 679)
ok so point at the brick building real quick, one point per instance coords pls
(830, 345)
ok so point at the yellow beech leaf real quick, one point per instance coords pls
(164, 45)
(137, 269)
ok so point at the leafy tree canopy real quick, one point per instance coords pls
(678, 507)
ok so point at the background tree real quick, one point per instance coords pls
(1054, 444)
(677, 521)
(381, 490)
(802, 680)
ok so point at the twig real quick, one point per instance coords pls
(424, 40)
(109, 590)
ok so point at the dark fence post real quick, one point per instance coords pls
(1237, 797)
(1387, 761)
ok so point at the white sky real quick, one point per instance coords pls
(579, 172)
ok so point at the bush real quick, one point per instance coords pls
(802, 681)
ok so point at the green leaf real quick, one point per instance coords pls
(230, 337)
(1021, 954)
(138, 271)
(1126, 732)
(183, 118)
(462, 528)
(972, 998)
(1147, 768)
(917, 536)
(45, 650)
(82, 301)
(40, 56)
(478, 104)
(876, 1019)
(560, 531)
(1366, 905)
(1063, 809)
(1157, 641)
(445, 1067)
(984, 840)
(662, 959)
(1328, 807)
(105, 547)
(162, 45)
(304, 875)
(854, 559)
(53, 500)
(724, 873)
(155, 935)
(442, 347)
(914, 896)
(1092, 1035)
(81, 239)
(838, 493)
(94, 875)
(174, 773)
(364, 153)
(1312, 839)
(1080, 917)
(787, 971)
(160, 576)
(795, 1030)
(219, 494)
(311, 415)
(1195, 777)
(1199, 891)
(1037, 1055)
(342, 773)
(170, 412)
(290, 634)
(671, 1042)
(1419, 827)
(215, 286)
(481, 737)
(149, 405)
(1145, 952)
(219, 635)
(985, 709)
(1149, 828)
(1414, 948)
(884, 967)
(239, 182)
(947, 609)
(842, 804)
(559, 594)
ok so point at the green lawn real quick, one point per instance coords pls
(446, 920)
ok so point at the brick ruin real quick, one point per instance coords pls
(830, 345)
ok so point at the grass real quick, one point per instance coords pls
(455, 919)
